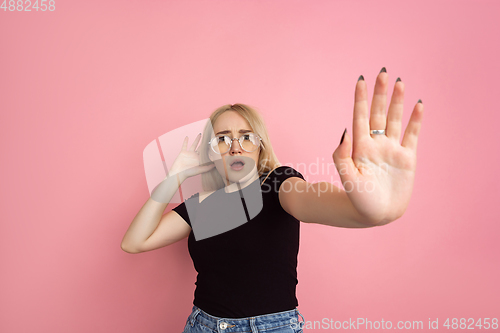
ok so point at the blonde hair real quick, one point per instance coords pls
(212, 180)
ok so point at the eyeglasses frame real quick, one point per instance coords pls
(231, 143)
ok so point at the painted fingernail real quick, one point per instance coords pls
(399, 79)
(342, 140)
(383, 70)
(361, 78)
(420, 101)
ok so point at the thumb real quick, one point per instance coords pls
(342, 157)
(344, 149)
(202, 168)
(208, 167)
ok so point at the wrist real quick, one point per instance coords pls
(180, 175)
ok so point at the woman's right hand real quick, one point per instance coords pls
(187, 162)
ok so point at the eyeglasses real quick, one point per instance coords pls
(221, 144)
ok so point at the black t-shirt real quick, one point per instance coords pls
(250, 270)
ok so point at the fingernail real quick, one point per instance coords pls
(342, 140)
(361, 78)
(420, 101)
(399, 79)
(383, 70)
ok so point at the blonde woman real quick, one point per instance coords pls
(247, 273)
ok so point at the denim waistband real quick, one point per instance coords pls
(253, 324)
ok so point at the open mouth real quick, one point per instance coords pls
(237, 165)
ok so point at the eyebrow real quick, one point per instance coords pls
(228, 131)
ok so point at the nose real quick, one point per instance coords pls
(235, 147)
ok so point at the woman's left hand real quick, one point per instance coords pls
(379, 176)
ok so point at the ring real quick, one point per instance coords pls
(377, 132)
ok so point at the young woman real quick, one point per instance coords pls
(243, 229)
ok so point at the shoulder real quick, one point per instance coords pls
(278, 176)
(284, 172)
(191, 200)
(204, 195)
(273, 183)
(197, 197)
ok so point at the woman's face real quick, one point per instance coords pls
(233, 125)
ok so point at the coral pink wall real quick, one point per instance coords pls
(84, 88)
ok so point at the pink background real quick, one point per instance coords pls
(85, 88)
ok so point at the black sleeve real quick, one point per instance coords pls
(182, 210)
(279, 175)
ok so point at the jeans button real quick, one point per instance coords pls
(223, 325)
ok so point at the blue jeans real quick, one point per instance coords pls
(280, 322)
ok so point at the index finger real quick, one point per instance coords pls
(361, 121)
(184, 143)
(195, 142)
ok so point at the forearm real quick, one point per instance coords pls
(321, 203)
(147, 219)
(346, 214)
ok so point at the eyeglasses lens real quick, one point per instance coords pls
(249, 142)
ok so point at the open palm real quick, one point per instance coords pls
(379, 176)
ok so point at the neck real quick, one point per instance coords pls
(242, 183)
